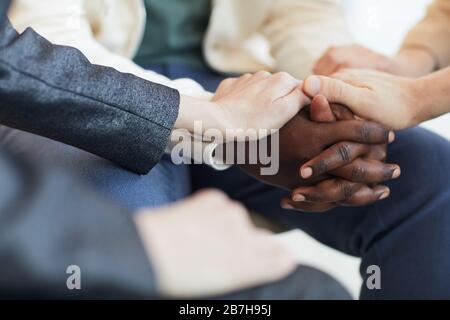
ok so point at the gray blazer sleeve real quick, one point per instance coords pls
(54, 91)
(49, 221)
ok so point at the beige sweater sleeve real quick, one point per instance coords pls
(433, 33)
(299, 32)
(65, 22)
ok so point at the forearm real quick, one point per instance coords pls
(55, 92)
(434, 93)
(414, 61)
(432, 33)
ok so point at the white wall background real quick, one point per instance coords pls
(380, 25)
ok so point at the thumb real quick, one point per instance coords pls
(334, 90)
(320, 110)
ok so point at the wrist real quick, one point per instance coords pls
(413, 62)
(421, 103)
(210, 116)
(193, 111)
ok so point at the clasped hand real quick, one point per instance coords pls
(330, 158)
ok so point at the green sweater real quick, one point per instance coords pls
(174, 32)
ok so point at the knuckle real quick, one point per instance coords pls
(227, 82)
(320, 167)
(365, 132)
(358, 173)
(213, 195)
(344, 151)
(383, 154)
(283, 76)
(262, 73)
(348, 190)
(317, 196)
(378, 152)
(336, 89)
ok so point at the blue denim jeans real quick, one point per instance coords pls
(164, 184)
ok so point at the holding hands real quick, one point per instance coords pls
(395, 102)
(328, 158)
(406, 95)
(259, 102)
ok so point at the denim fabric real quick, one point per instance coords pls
(165, 183)
(4, 5)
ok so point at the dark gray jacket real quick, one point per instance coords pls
(54, 91)
(48, 220)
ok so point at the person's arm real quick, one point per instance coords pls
(411, 61)
(68, 23)
(299, 32)
(394, 101)
(424, 50)
(436, 100)
(50, 221)
(55, 92)
(431, 35)
(50, 18)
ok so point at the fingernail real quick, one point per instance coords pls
(287, 206)
(298, 198)
(396, 173)
(384, 195)
(312, 85)
(307, 172)
(391, 136)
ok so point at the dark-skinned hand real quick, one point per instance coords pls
(337, 191)
(347, 159)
